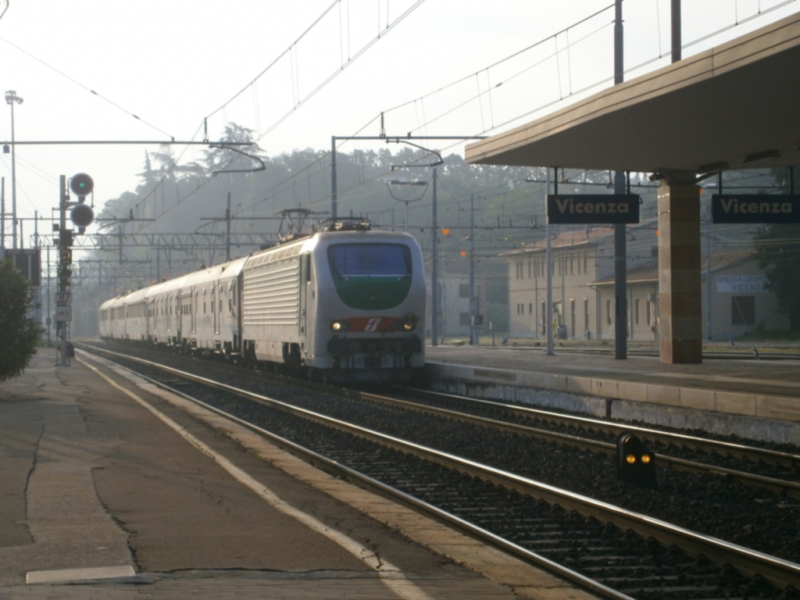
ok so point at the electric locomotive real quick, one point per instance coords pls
(346, 303)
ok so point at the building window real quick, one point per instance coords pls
(463, 290)
(586, 314)
(463, 319)
(530, 308)
(585, 269)
(743, 310)
(636, 311)
(608, 312)
(572, 317)
(571, 264)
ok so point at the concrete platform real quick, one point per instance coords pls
(757, 399)
(112, 488)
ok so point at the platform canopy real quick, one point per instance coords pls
(732, 107)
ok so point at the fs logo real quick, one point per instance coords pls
(372, 324)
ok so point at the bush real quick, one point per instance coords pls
(20, 331)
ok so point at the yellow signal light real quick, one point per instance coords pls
(445, 231)
(630, 459)
(463, 253)
(645, 458)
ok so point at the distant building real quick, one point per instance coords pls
(583, 288)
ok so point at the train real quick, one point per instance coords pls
(345, 303)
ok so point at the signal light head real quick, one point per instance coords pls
(81, 185)
(82, 215)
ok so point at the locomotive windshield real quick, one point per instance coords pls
(364, 260)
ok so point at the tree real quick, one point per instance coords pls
(778, 251)
(777, 248)
(20, 331)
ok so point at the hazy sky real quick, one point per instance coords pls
(174, 62)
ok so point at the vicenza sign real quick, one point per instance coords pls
(755, 208)
(576, 209)
(741, 284)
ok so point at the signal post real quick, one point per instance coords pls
(81, 215)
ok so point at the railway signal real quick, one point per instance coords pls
(81, 185)
(82, 214)
(635, 462)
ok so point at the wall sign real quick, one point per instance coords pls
(741, 284)
(575, 209)
(755, 208)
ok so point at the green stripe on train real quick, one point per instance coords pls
(372, 293)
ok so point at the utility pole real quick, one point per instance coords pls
(63, 302)
(228, 230)
(48, 321)
(12, 99)
(676, 30)
(3, 212)
(334, 195)
(472, 302)
(434, 272)
(620, 229)
(548, 254)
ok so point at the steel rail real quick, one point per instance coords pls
(717, 446)
(777, 570)
(787, 488)
(370, 484)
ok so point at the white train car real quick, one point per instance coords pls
(207, 309)
(348, 304)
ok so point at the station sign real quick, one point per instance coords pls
(755, 208)
(63, 314)
(741, 284)
(592, 209)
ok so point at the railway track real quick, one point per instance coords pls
(773, 469)
(612, 550)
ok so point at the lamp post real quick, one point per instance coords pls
(12, 99)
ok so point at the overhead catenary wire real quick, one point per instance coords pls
(86, 87)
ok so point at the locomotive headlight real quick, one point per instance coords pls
(340, 326)
(410, 321)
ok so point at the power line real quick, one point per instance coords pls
(85, 87)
